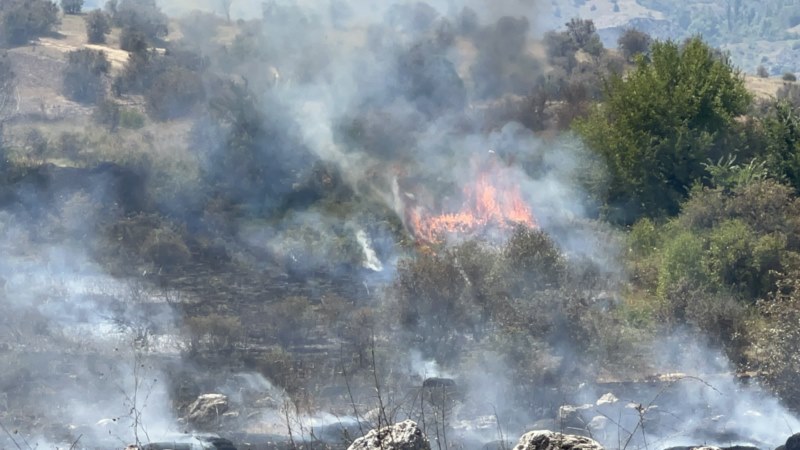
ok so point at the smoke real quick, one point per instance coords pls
(696, 399)
(76, 347)
(354, 111)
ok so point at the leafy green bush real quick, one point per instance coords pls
(657, 126)
(682, 261)
(731, 246)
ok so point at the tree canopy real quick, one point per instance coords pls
(659, 125)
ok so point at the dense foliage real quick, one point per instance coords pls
(659, 124)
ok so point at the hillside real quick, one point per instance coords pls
(301, 222)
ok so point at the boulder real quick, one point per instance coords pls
(207, 410)
(574, 417)
(405, 435)
(598, 426)
(550, 440)
(793, 443)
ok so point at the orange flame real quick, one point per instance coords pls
(486, 204)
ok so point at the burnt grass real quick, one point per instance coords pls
(309, 331)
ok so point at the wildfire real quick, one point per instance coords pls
(491, 201)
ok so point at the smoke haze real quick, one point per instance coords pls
(390, 104)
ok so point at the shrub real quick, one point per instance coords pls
(682, 262)
(634, 42)
(132, 40)
(84, 75)
(36, 144)
(165, 248)
(790, 77)
(174, 93)
(107, 112)
(98, 25)
(72, 6)
(71, 144)
(762, 72)
(791, 93)
(142, 17)
(214, 333)
(531, 262)
(777, 339)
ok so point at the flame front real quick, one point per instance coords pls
(486, 205)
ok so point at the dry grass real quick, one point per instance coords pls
(763, 88)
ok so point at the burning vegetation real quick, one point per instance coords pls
(493, 202)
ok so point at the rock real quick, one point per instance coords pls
(793, 443)
(497, 445)
(574, 417)
(405, 435)
(544, 424)
(550, 440)
(607, 399)
(598, 425)
(207, 410)
(712, 447)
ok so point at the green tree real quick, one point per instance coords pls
(23, 20)
(84, 74)
(658, 126)
(584, 35)
(143, 16)
(72, 6)
(782, 130)
(634, 42)
(98, 25)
